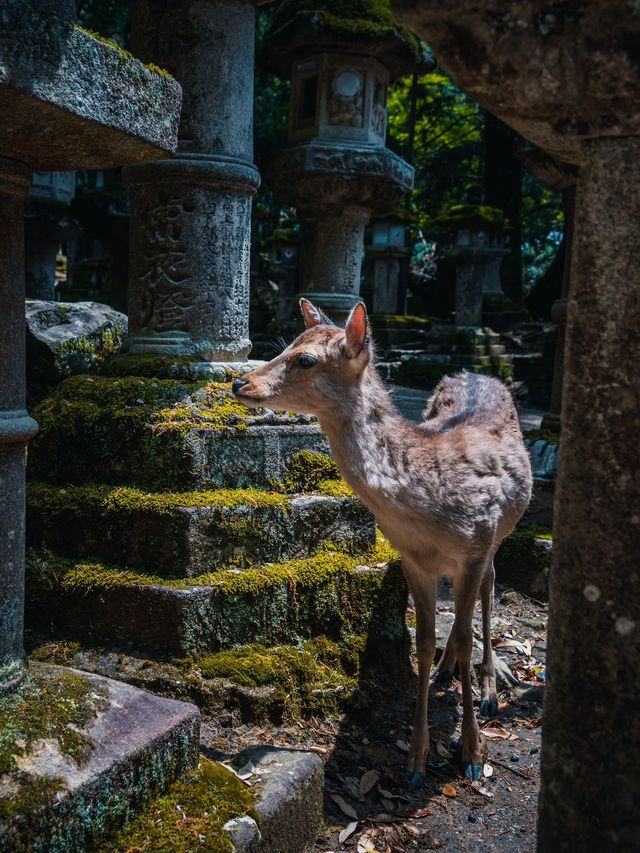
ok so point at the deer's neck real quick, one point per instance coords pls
(368, 438)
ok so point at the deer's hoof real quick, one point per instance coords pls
(489, 708)
(473, 772)
(441, 676)
(412, 780)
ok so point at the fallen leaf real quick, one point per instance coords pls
(344, 806)
(388, 804)
(349, 829)
(366, 845)
(367, 782)
(412, 830)
(403, 745)
(487, 771)
(449, 791)
(480, 789)
(442, 750)
(495, 732)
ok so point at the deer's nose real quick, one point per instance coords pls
(238, 384)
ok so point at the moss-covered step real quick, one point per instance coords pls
(217, 813)
(80, 755)
(332, 593)
(163, 434)
(523, 561)
(191, 533)
(251, 684)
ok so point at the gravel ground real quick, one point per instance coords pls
(364, 755)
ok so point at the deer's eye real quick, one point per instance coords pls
(307, 361)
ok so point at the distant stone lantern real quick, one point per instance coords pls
(337, 170)
(390, 253)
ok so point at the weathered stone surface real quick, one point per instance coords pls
(330, 593)
(167, 535)
(163, 435)
(130, 747)
(558, 74)
(594, 584)
(16, 427)
(324, 178)
(523, 562)
(289, 799)
(71, 101)
(65, 338)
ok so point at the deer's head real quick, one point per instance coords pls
(314, 372)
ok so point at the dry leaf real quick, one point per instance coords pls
(442, 750)
(344, 806)
(366, 845)
(479, 789)
(449, 791)
(495, 732)
(487, 771)
(367, 782)
(403, 745)
(388, 804)
(412, 830)
(349, 829)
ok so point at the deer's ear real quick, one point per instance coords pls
(356, 331)
(313, 316)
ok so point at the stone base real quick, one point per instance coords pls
(188, 534)
(501, 313)
(89, 754)
(330, 593)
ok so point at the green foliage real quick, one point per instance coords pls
(307, 470)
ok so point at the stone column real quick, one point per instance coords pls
(387, 284)
(191, 215)
(331, 258)
(592, 726)
(16, 427)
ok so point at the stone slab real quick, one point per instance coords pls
(329, 594)
(288, 785)
(137, 744)
(180, 540)
(72, 101)
(523, 562)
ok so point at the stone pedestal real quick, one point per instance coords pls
(567, 79)
(594, 622)
(16, 427)
(389, 296)
(191, 215)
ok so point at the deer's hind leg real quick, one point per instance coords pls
(488, 694)
(466, 588)
(423, 586)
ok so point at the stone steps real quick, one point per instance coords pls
(331, 593)
(192, 533)
(163, 434)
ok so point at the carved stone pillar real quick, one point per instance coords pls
(191, 215)
(331, 258)
(16, 427)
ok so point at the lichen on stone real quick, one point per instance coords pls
(55, 708)
(190, 817)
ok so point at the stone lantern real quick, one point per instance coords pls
(390, 253)
(338, 170)
(45, 226)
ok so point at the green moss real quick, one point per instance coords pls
(33, 794)
(346, 21)
(190, 816)
(307, 469)
(125, 55)
(55, 504)
(47, 571)
(85, 355)
(334, 489)
(156, 366)
(534, 531)
(472, 214)
(55, 707)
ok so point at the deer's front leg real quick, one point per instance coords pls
(471, 750)
(423, 587)
(488, 692)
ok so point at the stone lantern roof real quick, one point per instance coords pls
(302, 27)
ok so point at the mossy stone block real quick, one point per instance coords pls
(191, 533)
(64, 785)
(331, 593)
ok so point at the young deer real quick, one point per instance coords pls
(445, 492)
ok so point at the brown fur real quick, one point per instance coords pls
(445, 492)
